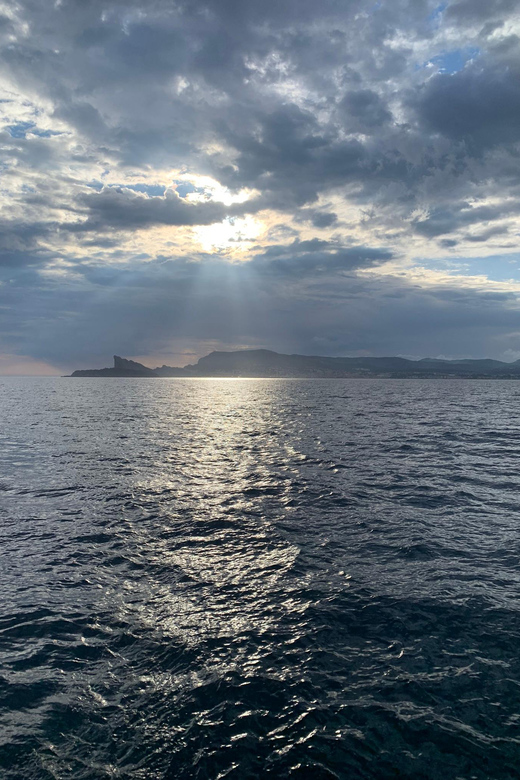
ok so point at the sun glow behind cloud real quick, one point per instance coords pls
(234, 235)
(205, 188)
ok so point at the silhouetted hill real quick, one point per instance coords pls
(122, 367)
(265, 363)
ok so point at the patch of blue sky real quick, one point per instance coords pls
(451, 61)
(153, 190)
(184, 188)
(20, 129)
(435, 17)
(497, 268)
(45, 133)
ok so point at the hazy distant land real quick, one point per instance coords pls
(265, 363)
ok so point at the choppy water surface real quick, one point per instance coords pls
(255, 579)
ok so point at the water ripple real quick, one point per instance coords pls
(286, 579)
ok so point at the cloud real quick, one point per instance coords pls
(325, 308)
(365, 111)
(457, 215)
(124, 209)
(316, 257)
(286, 157)
(479, 105)
(480, 10)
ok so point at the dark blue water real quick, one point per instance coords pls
(259, 579)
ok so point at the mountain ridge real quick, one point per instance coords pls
(264, 363)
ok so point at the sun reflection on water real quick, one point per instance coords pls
(211, 533)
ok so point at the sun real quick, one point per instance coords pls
(235, 233)
(232, 235)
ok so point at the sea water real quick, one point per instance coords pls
(259, 579)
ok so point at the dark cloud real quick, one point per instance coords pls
(365, 111)
(124, 209)
(19, 238)
(319, 219)
(479, 105)
(457, 215)
(480, 238)
(287, 155)
(480, 10)
(15, 260)
(316, 257)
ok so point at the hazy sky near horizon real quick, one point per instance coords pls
(334, 178)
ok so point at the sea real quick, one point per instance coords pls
(225, 578)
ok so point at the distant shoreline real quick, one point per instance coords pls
(466, 377)
(265, 364)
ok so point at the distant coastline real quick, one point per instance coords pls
(263, 363)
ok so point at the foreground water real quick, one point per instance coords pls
(254, 579)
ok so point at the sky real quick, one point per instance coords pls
(332, 178)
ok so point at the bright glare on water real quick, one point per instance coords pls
(259, 579)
